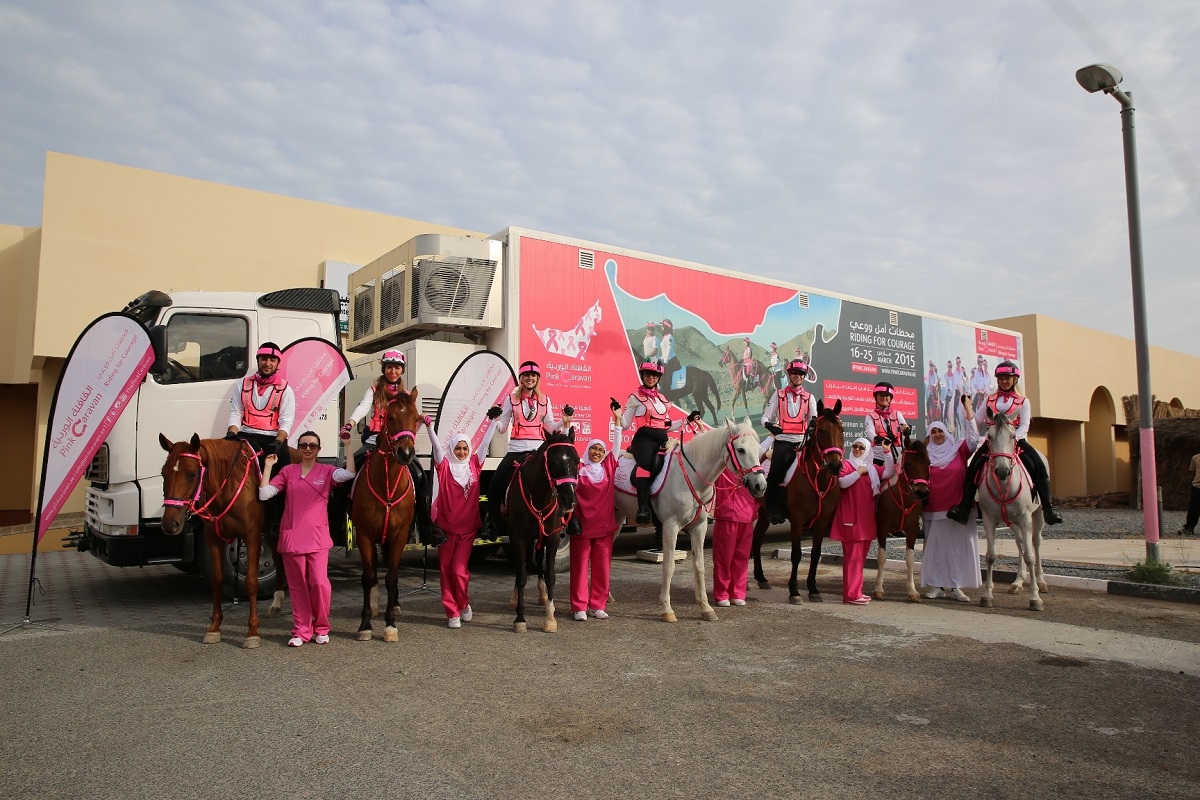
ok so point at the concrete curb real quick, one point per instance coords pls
(1175, 594)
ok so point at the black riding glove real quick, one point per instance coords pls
(494, 412)
(230, 436)
(773, 429)
(613, 404)
(692, 417)
(568, 411)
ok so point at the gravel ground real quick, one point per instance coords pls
(1086, 523)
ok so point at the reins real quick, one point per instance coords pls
(203, 509)
(731, 456)
(896, 491)
(383, 447)
(542, 515)
(809, 455)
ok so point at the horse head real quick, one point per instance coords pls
(1002, 443)
(726, 355)
(915, 464)
(183, 479)
(827, 437)
(745, 454)
(562, 469)
(399, 423)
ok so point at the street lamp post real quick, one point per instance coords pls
(1103, 78)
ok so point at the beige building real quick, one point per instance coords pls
(110, 233)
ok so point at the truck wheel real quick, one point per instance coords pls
(268, 567)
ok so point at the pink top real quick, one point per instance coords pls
(854, 520)
(596, 501)
(456, 510)
(945, 483)
(305, 524)
(734, 502)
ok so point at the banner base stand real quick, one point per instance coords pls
(424, 588)
(28, 623)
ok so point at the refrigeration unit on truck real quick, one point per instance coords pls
(204, 343)
(590, 313)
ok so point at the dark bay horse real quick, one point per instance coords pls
(898, 510)
(540, 500)
(382, 507)
(813, 492)
(217, 481)
(700, 385)
(763, 380)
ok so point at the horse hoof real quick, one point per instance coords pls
(520, 627)
(390, 634)
(669, 618)
(212, 637)
(709, 616)
(764, 584)
(395, 611)
(1035, 605)
(364, 636)
(551, 626)
(273, 611)
(251, 642)
(985, 602)
(914, 598)
(815, 597)
(796, 600)
(1015, 589)
(878, 595)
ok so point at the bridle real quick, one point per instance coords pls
(383, 445)
(1001, 491)
(542, 515)
(905, 483)
(731, 458)
(203, 510)
(818, 456)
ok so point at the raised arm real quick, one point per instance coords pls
(486, 442)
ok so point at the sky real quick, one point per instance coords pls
(930, 154)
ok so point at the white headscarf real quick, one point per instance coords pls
(864, 461)
(941, 454)
(460, 469)
(593, 469)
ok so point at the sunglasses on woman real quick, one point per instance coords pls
(308, 446)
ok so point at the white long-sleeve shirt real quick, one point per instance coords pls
(771, 416)
(877, 450)
(1003, 403)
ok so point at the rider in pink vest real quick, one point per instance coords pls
(1006, 400)
(786, 416)
(263, 407)
(647, 411)
(530, 414)
(884, 426)
(372, 408)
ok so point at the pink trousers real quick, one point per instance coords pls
(453, 556)
(596, 553)
(854, 557)
(308, 585)
(731, 558)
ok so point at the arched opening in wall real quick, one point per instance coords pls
(1176, 404)
(1100, 452)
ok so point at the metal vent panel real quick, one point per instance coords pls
(391, 299)
(364, 310)
(452, 287)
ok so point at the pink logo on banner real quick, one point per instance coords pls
(103, 371)
(480, 382)
(992, 343)
(316, 370)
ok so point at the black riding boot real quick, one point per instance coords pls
(644, 516)
(961, 512)
(1049, 514)
(775, 510)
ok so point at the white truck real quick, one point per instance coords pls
(204, 344)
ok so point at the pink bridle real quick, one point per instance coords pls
(544, 514)
(202, 510)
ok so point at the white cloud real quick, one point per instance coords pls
(937, 155)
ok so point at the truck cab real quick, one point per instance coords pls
(204, 343)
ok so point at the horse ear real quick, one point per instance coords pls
(413, 394)
(195, 442)
(571, 434)
(837, 408)
(730, 425)
(166, 443)
(820, 407)
(990, 413)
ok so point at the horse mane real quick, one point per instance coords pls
(555, 438)
(221, 454)
(708, 445)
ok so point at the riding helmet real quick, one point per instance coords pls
(883, 387)
(1007, 369)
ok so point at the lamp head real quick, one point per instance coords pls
(1099, 77)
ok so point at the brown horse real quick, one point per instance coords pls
(217, 481)
(898, 510)
(540, 500)
(763, 380)
(813, 492)
(382, 507)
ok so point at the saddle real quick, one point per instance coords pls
(625, 467)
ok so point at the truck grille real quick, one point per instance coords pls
(97, 471)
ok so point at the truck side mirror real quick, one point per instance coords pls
(158, 341)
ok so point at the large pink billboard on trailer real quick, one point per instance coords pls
(101, 374)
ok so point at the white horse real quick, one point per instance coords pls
(1006, 495)
(686, 498)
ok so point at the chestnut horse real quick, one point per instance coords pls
(763, 381)
(813, 492)
(382, 507)
(539, 502)
(217, 481)
(898, 509)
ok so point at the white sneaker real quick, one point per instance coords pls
(322, 638)
(737, 601)
(454, 622)
(958, 594)
(295, 641)
(933, 594)
(580, 616)
(722, 604)
(468, 614)
(599, 613)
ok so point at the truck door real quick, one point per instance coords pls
(209, 352)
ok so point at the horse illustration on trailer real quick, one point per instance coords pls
(571, 343)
